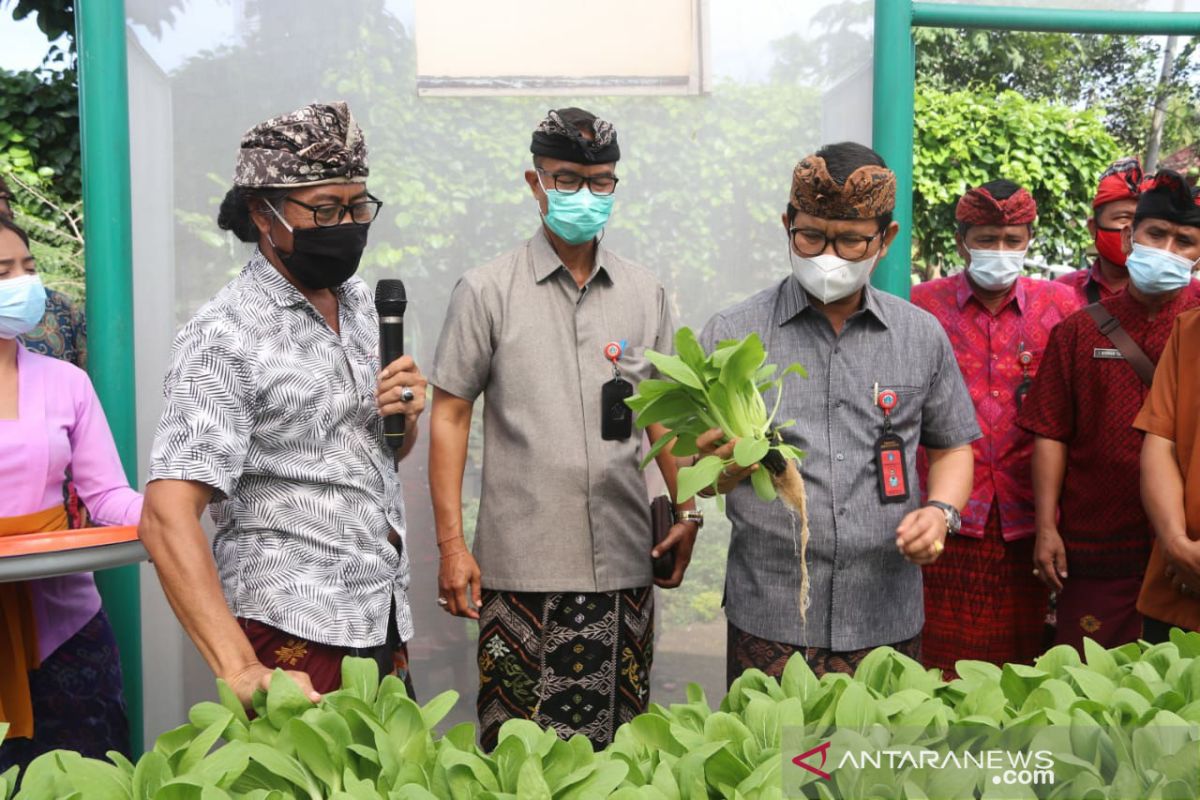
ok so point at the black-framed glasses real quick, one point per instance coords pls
(572, 182)
(810, 243)
(327, 215)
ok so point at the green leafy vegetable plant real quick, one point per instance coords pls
(725, 389)
(1120, 724)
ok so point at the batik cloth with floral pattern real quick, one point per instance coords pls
(575, 662)
(317, 144)
(62, 333)
(745, 651)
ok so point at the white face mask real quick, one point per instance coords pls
(996, 269)
(830, 278)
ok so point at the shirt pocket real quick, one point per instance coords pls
(634, 365)
(909, 401)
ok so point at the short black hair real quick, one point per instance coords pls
(234, 214)
(1001, 189)
(841, 160)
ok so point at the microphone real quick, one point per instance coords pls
(390, 302)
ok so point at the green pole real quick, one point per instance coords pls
(892, 131)
(1058, 20)
(108, 249)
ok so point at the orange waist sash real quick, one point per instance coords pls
(18, 629)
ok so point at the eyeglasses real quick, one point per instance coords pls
(572, 182)
(810, 242)
(327, 215)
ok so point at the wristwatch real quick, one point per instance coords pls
(953, 518)
(692, 516)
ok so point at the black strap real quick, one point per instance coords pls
(1110, 326)
(1092, 290)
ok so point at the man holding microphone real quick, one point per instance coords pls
(274, 420)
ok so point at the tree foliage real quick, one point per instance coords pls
(966, 138)
(39, 130)
(56, 19)
(1115, 75)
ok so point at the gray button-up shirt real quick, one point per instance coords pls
(561, 509)
(863, 591)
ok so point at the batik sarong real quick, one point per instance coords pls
(572, 661)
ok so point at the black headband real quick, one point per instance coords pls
(1167, 196)
(558, 136)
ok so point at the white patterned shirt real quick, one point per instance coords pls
(276, 412)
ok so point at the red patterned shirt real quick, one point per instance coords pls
(1080, 279)
(1087, 399)
(988, 349)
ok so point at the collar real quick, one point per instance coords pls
(546, 262)
(1127, 305)
(963, 293)
(793, 301)
(263, 275)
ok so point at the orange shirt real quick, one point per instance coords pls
(1172, 411)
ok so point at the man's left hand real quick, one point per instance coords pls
(921, 535)
(396, 382)
(681, 538)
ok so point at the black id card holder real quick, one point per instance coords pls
(616, 418)
(889, 457)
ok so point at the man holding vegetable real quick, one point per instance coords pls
(882, 380)
(982, 600)
(554, 334)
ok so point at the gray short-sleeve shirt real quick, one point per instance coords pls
(863, 592)
(561, 508)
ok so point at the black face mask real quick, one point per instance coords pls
(323, 258)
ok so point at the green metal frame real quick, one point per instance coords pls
(895, 76)
(108, 237)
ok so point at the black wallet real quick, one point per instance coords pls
(662, 518)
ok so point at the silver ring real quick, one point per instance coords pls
(407, 395)
(441, 601)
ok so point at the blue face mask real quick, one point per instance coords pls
(1154, 271)
(22, 305)
(579, 217)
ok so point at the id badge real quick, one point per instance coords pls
(889, 458)
(616, 418)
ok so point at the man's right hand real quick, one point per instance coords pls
(709, 444)
(1050, 558)
(246, 681)
(458, 579)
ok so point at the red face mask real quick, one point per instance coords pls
(1108, 243)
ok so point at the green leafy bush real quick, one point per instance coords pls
(966, 138)
(1122, 723)
(39, 129)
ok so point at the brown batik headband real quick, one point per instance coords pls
(868, 192)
